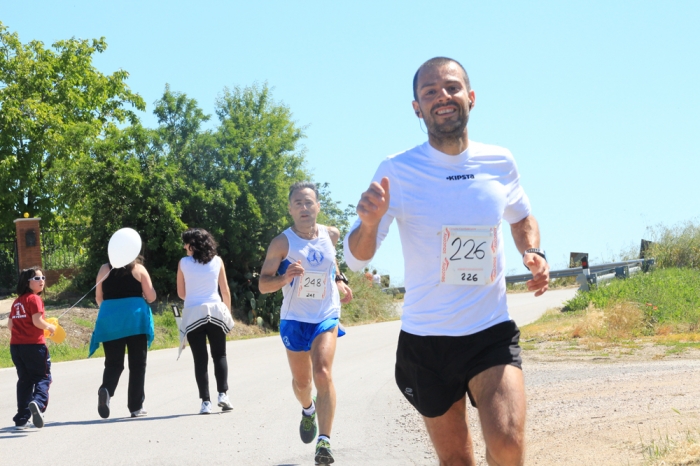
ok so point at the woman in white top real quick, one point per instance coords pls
(200, 276)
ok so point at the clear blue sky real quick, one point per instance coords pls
(597, 100)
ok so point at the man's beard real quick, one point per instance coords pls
(449, 130)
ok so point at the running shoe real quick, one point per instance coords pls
(323, 452)
(103, 402)
(224, 403)
(308, 428)
(139, 413)
(25, 426)
(206, 407)
(37, 415)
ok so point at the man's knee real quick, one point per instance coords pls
(507, 448)
(455, 458)
(301, 383)
(505, 457)
(322, 377)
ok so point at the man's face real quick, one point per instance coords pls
(444, 100)
(304, 207)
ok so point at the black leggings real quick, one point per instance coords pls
(114, 365)
(198, 344)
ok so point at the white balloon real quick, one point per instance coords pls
(124, 246)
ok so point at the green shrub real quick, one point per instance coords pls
(61, 291)
(369, 303)
(666, 295)
(678, 246)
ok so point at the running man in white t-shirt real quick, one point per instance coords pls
(449, 197)
(301, 262)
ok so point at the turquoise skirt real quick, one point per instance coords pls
(119, 318)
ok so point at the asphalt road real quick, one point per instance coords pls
(374, 425)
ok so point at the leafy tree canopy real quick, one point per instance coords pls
(54, 105)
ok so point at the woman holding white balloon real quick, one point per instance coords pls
(200, 276)
(124, 322)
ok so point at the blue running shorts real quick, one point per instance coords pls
(298, 336)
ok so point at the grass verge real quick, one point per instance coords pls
(661, 307)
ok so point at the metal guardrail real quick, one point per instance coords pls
(595, 274)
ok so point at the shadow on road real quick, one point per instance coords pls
(12, 433)
(115, 420)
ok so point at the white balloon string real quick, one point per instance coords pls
(101, 280)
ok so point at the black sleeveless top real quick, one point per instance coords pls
(121, 284)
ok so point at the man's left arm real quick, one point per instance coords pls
(526, 234)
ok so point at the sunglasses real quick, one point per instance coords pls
(38, 279)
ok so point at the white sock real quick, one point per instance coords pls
(310, 410)
(323, 437)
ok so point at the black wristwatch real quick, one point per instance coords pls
(539, 252)
(339, 277)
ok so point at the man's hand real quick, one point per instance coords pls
(540, 273)
(294, 270)
(374, 203)
(345, 291)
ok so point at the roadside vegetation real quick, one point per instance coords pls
(662, 449)
(660, 307)
(369, 303)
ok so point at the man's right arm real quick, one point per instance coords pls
(269, 281)
(374, 203)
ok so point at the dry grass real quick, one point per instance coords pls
(681, 449)
(619, 324)
(622, 321)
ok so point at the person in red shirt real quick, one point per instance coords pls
(28, 349)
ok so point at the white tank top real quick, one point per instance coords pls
(304, 300)
(201, 281)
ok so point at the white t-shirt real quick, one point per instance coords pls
(430, 190)
(201, 281)
(313, 297)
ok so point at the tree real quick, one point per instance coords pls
(131, 184)
(257, 149)
(54, 106)
(234, 179)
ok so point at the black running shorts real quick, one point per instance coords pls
(433, 372)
